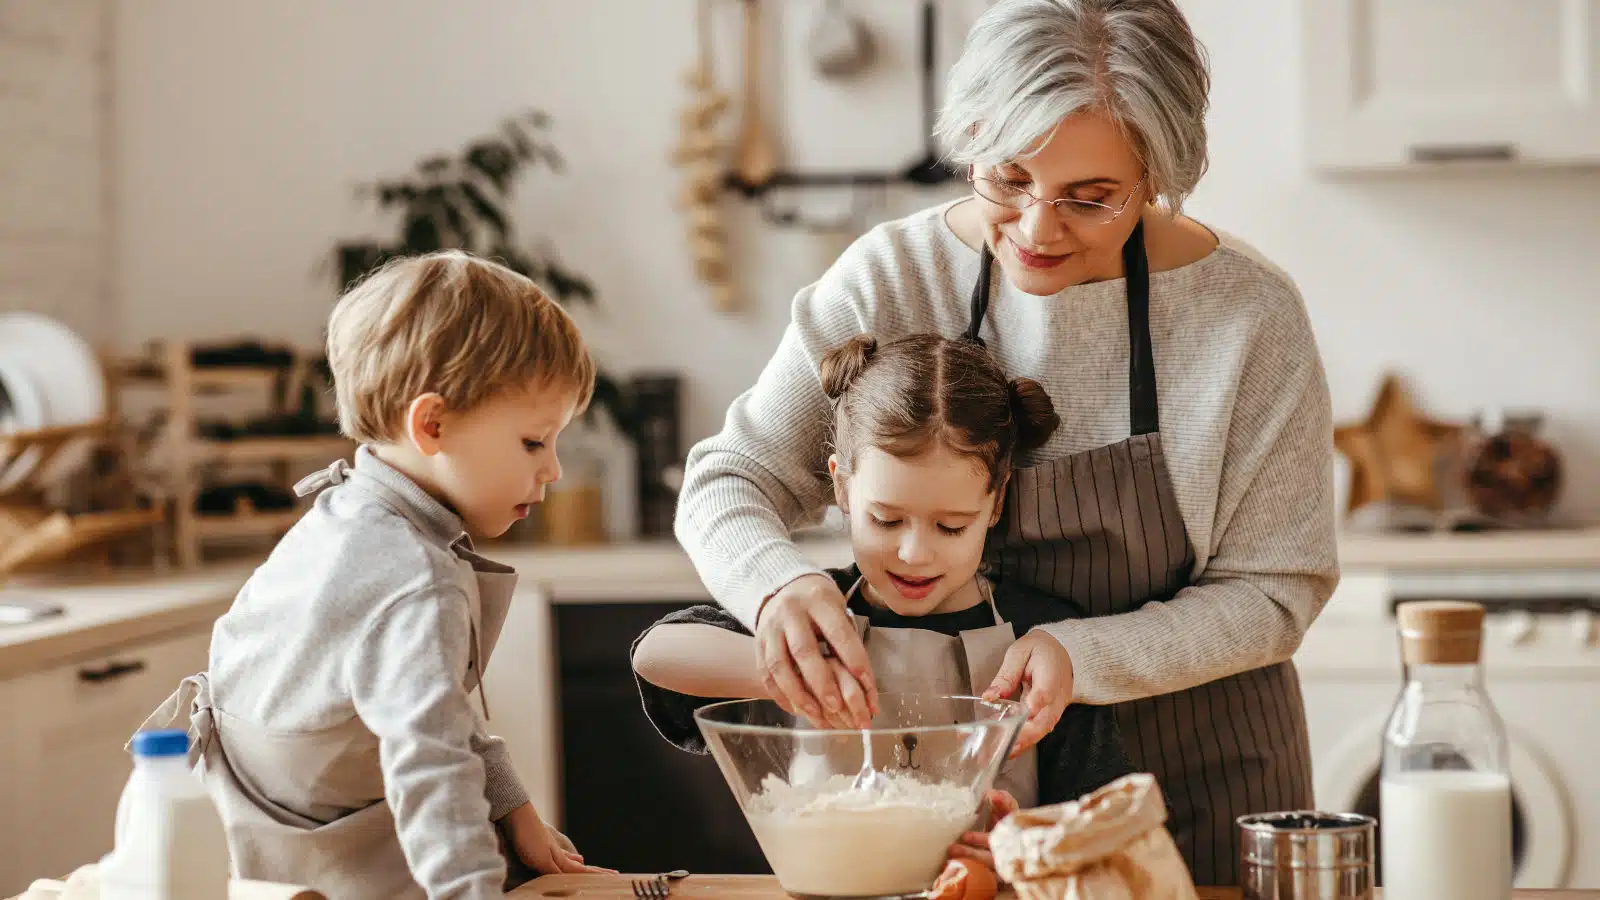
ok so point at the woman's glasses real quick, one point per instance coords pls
(1081, 212)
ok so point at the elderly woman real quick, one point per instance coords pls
(1186, 500)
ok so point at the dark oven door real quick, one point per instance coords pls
(632, 801)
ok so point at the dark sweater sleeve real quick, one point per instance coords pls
(670, 712)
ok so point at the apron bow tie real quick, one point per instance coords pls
(316, 481)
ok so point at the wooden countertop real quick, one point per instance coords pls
(765, 887)
(1555, 548)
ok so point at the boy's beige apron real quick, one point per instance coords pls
(347, 846)
(920, 661)
(1102, 527)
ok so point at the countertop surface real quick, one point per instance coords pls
(765, 887)
(102, 612)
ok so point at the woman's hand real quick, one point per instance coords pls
(1040, 664)
(795, 671)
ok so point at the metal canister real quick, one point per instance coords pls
(1306, 855)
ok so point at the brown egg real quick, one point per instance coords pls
(965, 879)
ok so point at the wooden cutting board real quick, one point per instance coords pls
(765, 887)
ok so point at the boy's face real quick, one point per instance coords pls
(917, 525)
(495, 460)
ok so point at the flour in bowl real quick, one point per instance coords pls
(827, 839)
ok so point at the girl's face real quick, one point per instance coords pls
(917, 526)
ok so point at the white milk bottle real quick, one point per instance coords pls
(1445, 789)
(170, 841)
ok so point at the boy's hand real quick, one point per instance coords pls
(542, 848)
(975, 844)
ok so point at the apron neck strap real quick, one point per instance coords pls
(1143, 414)
(980, 295)
(986, 588)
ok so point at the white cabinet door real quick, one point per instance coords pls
(1406, 83)
(521, 687)
(66, 763)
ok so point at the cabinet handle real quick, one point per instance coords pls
(110, 671)
(1436, 153)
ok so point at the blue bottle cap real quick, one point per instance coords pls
(166, 742)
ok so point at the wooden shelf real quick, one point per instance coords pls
(238, 525)
(211, 379)
(185, 455)
(272, 449)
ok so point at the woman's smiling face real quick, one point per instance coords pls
(1044, 250)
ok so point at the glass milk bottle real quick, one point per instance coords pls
(1445, 789)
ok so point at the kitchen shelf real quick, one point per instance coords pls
(189, 460)
(247, 450)
(209, 379)
(246, 524)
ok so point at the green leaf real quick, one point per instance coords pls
(487, 211)
(566, 284)
(422, 234)
(357, 259)
(494, 162)
(393, 193)
(519, 140)
(434, 165)
(455, 230)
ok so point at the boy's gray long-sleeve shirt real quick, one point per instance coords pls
(362, 612)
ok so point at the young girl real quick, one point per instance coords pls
(925, 431)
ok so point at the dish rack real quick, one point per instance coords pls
(32, 532)
(183, 460)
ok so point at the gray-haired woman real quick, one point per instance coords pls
(1185, 502)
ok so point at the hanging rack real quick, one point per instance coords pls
(927, 171)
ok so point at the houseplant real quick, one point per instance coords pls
(460, 201)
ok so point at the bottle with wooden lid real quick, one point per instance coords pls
(1445, 788)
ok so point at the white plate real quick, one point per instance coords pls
(68, 376)
(27, 412)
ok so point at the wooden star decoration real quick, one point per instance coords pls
(1395, 454)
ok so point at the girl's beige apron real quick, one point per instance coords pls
(1102, 528)
(921, 661)
(340, 838)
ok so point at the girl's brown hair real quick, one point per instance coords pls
(905, 395)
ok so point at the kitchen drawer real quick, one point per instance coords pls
(66, 765)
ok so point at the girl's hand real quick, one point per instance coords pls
(974, 845)
(1038, 663)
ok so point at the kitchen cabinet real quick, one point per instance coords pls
(63, 767)
(1398, 84)
(520, 687)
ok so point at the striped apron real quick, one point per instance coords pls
(1102, 528)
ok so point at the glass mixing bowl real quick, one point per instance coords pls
(861, 814)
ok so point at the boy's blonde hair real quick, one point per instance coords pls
(451, 324)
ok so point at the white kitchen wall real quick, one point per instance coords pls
(241, 127)
(53, 159)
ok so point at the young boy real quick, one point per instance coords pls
(334, 727)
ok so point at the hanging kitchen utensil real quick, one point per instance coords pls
(839, 44)
(700, 154)
(756, 159)
(931, 168)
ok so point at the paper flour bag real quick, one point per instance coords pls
(1111, 844)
